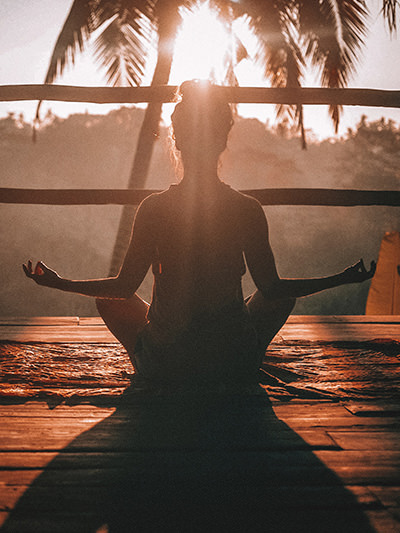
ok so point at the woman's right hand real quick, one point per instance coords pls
(42, 274)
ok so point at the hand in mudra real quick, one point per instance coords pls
(358, 273)
(42, 275)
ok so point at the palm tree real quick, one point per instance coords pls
(290, 33)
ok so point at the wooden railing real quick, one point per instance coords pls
(165, 93)
(326, 197)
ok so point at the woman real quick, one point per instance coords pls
(196, 235)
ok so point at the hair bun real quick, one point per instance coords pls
(195, 89)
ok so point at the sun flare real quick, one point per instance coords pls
(202, 46)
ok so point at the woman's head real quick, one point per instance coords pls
(201, 120)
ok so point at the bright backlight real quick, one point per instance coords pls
(202, 47)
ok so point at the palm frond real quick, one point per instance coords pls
(389, 12)
(107, 9)
(122, 48)
(279, 51)
(265, 22)
(73, 36)
(75, 32)
(333, 32)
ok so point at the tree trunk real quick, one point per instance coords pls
(167, 29)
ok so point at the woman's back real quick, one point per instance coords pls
(199, 327)
(199, 253)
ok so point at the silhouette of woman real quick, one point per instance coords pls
(196, 236)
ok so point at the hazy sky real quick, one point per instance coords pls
(28, 31)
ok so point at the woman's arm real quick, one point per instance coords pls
(131, 275)
(261, 263)
(100, 288)
(296, 288)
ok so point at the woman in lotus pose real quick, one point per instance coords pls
(196, 236)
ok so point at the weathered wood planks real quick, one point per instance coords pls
(298, 327)
(292, 466)
(250, 467)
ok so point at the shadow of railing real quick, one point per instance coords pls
(201, 464)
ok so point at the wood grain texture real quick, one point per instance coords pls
(69, 468)
(298, 327)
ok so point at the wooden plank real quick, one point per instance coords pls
(33, 409)
(333, 415)
(367, 475)
(81, 498)
(301, 327)
(389, 495)
(348, 521)
(91, 321)
(59, 334)
(165, 93)
(332, 333)
(367, 440)
(19, 415)
(255, 473)
(293, 319)
(358, 457)
(310, 408)
(382, 521)
(351, 319)
(296, 423)
(80, 460)
(385, 409)
(103, 440)
(286, 196)
(330, 423)
(40, 321)
(289, 332)
(51, 523)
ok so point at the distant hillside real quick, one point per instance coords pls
(96, 152)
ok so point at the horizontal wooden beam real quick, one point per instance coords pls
(165, 93)
(321, 197)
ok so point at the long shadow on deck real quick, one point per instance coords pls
(189, 464)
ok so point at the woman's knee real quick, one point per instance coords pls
(101, 303)
(105, 307)
(279, 310)
(259, 304)
(132, 311)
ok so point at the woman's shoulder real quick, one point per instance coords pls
(243, 200)
(154, 200)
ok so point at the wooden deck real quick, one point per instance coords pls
(200, 464)
(298, 327)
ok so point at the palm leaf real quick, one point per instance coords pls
(73, 36)
(107, 9)
(278, 52)
(122, 49)
(333, 32)
(389, 11)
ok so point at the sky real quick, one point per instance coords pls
(28, 32)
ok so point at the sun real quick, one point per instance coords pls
(202, 46)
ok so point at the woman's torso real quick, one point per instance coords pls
(198, 326)
(198, 261)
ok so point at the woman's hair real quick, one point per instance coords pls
(202, 116)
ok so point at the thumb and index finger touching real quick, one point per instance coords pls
(38, 271)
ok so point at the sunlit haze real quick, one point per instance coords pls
(202, 46)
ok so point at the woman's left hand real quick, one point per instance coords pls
(358, 273)
(42, 275)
